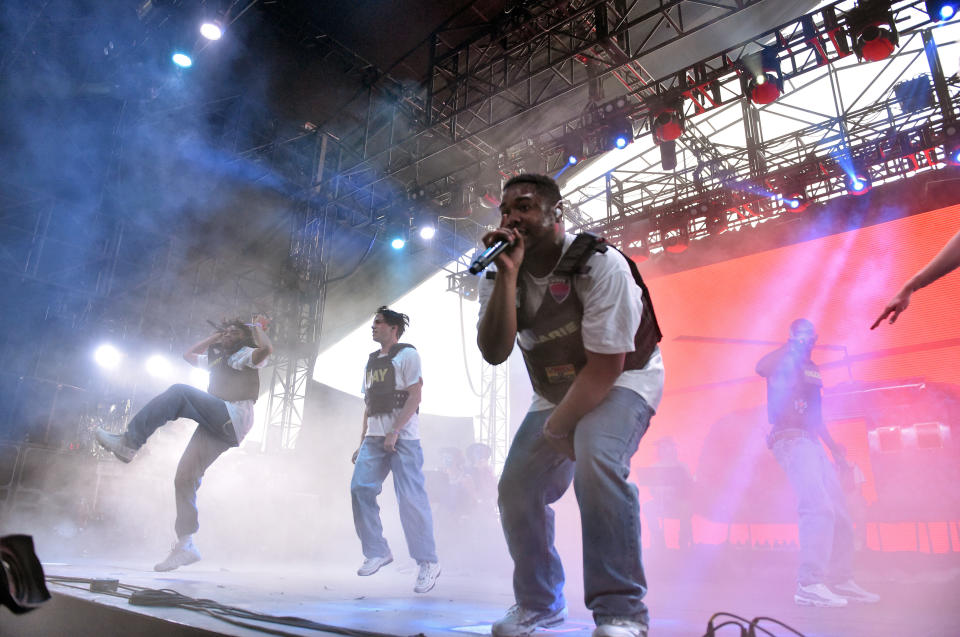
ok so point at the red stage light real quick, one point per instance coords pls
(766, 91)
(876, 44)
(667, 127)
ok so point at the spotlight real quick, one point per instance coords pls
(619, 133)
(158, 366)
(211, 30)
(572, 160)
(876, 44)
(398, 243)
(796, 202)
(182, 60)
(107, 356)
(427, 232)
(199, 378)
(941, 10)
(858, 184)
(765, 83)
(667, 126)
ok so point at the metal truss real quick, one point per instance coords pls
(539, 54)
(494, 426)
(868, 131)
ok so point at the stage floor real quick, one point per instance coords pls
(919, 596)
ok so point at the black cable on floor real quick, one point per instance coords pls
(167, 598)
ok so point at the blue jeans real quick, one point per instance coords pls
(373, 465)
(535, 476)
(213, 436)
(824, 524)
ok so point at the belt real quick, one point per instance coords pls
(787, 434)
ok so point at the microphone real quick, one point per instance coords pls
(487, 256)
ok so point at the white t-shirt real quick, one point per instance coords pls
(612, 307)
(406, 368)
(241, 411)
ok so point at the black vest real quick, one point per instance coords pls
(382, 395)
(558, 354)
(229, 384)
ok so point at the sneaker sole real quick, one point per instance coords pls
(819, 603)
(549, 623)
(173, 568)
(361, 574)
(119, 457)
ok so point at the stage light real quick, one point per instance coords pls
(107, 356)
(796, 202)
(876, 44)
(211, 30)
(199, 378)
(158, 366)
(858, 184)
(182, 60)
(427, 232)
(572, 160)
(941, 10)
(398, 243)
(619, 133)
(667, 126)
(765, 83)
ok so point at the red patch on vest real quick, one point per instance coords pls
(559, 289)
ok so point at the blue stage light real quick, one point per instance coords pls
(182, 60)
(620, 142)
(947, 11)
(572, 159)
(398, 243)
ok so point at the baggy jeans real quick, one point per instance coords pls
(824, 524)
(373, 464)
(213, 436)
(535, 476)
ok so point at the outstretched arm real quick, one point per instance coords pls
(946, 261)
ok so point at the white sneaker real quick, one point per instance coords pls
(372, 564)
(620, 627)
(852, 591)
(818, 595)
(184, 552)
(427, 577)
(117, 443)
(520, 621)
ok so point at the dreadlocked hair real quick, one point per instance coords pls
(395, 319)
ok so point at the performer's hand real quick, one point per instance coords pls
(510, 259)
(356, 453)
(262, 321)
(390, 441)
(894, 308)
(562, 444)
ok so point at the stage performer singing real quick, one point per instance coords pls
(233, 354)
(583, 319)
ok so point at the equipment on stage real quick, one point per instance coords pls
(22, 583)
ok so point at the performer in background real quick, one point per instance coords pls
(390, 441)
(224, 415)
(825, 575)
(582, 317)
(946, 261)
